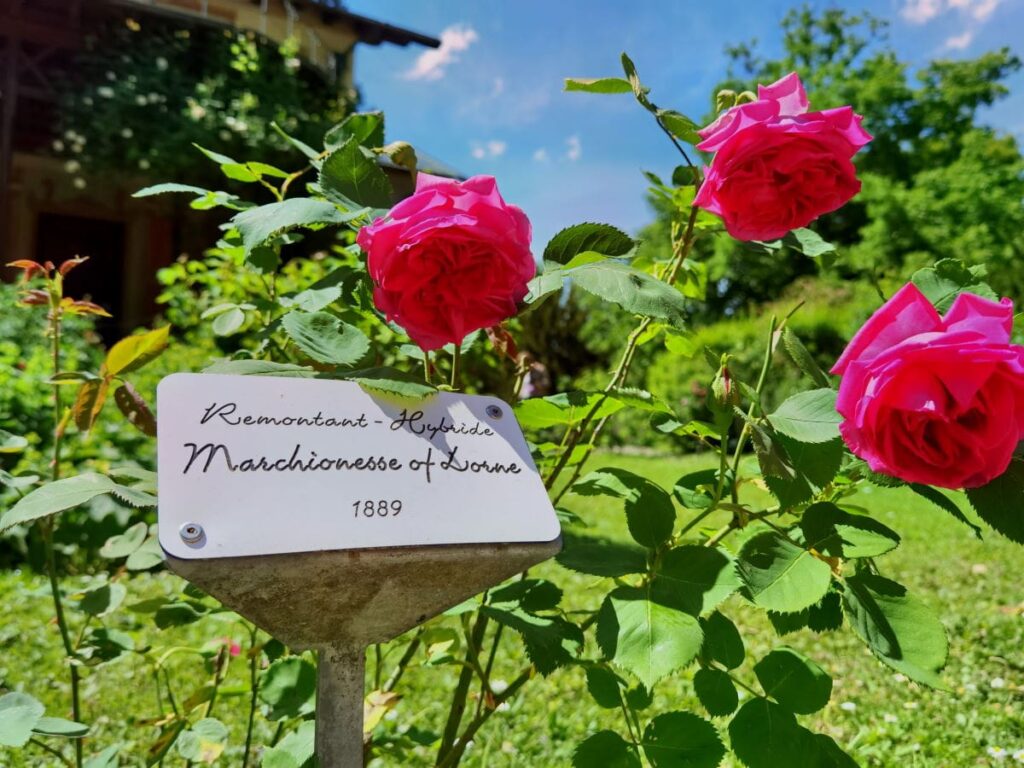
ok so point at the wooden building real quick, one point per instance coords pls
(44, 216)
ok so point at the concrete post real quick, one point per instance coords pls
(339, 707)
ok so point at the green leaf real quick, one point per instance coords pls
(808, 417)
(639, 90)
(125, 543)
(947, 279)
(349, 175)
(103, 599)
(764, 735)
(781, 576)
(565, 408)
(597, 85)
(825, 616)
(682, 740)
(260, 368)
(106, 758)
(794, 681)
(55, 497)
(645, 638)
(288, 688)
(1000, 503)
(366, 128)
(160, 189)
(203, 742)
(811, 244)
(149, 555)
(303, 147)
(580, 238)
(600, 557)
(178, 614)
(716, 692)
(543, 285)
(803, 358)
(650, 514)
(901, 631)
(679, 126)
(550, 642)
(389, 381)
(10, 443)
(229, 321)
(942, 501)
(531, 595)
(293, 751)
(722, 641)
(58, 726)
(631, 289)
(258, 225)
(19, 714)
(696, 579)
(605, 749)
(831, 530)
(603, 685)
(216, 156)
(313, 299)
(325, 338)
(695, 490)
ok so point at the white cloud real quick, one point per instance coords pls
(490, 148)
(923, 11)
(959, 42)
(540, 155)
(575, 148)
(430, 65)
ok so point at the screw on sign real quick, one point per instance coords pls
(242, 452)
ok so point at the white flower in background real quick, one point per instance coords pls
(127, 133)
(997, 683)
(1019, 756)
(224, 135)
(997, 753)
(848, 706)
(161, 63)
(105, 91)
(971, 687)
(79, 183)
(72, 166)
(78, 146)
(196, 111)
(498, 686)
(899, 677)
(910, 705)
(144, 164)
(154, 97)
(293, 63)
(87, 100)
(890, 718)
(111, 77)
(141, 100)
(58, 145)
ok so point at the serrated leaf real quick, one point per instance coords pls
(160, 189)
(631, 289)
(803, 358)
(947, 279)
(765, 735)
(682, 740)
(811, 244)
(56, 496)
(89, 403)
(550, 641)
(793, 680)
(650, 514)
(531, 595)
(389, 381)
(833, 531)
(260, 368)
(942, 501)
(602, 239)
(257, 225)
(722, 641)
(605, 749)
(288, 688)
(604, 686)
(600, 557)
(679, 125)
(645, 638)
(349, 175)
(19, 714)
(324, 338)
(1000, 503)
(781, 576)
(313, 299)
(103, 599)
(125, 543)
(366, 128)
(696, 579)
(808, 417)
(295, 750)
(899, 630)
(716, 692)
(149, 555)
(597, 85)
(133, 352)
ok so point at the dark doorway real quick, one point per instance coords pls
(101, 279)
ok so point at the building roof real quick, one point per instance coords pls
(370, 31)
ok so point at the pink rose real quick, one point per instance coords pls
(930, 399)
(452, 258)
(777, 167)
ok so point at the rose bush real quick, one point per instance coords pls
(934, 399)
(778, 167)
(451, 259)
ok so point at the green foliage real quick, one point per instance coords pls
(793, 680)
(780, 575)
(682, 740)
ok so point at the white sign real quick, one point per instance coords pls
(257, 465)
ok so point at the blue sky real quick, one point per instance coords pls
(491, 101)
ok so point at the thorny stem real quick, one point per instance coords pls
(48, 528)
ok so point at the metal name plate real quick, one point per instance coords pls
(260, 465)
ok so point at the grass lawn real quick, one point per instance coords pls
(878, 716)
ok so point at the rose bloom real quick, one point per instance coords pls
(451, 259)
(777, 167)
(930, 399)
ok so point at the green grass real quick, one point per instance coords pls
(974, 585)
